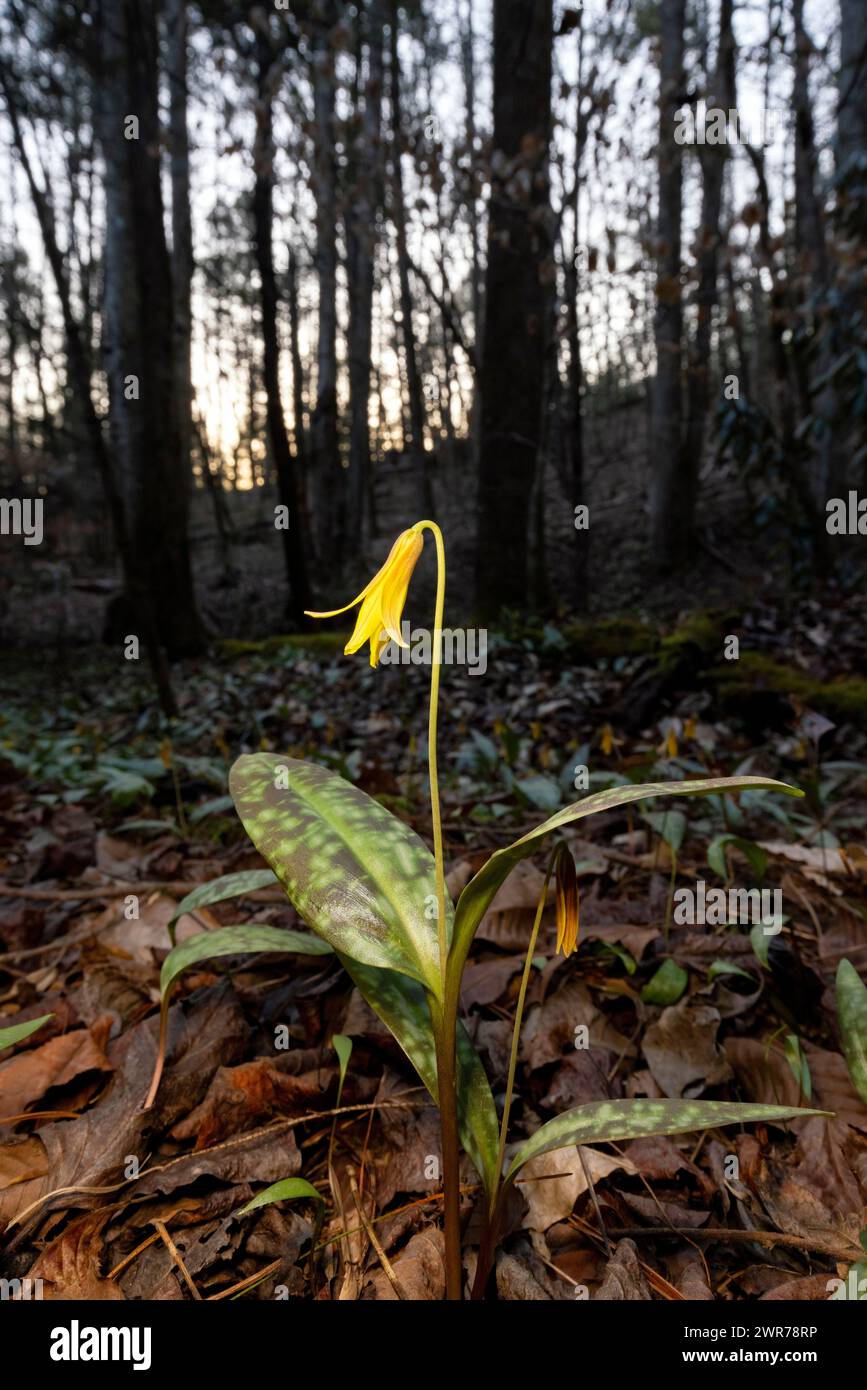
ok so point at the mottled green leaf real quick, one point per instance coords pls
(19, 1031)
(235, 941)
(607, 1121)
(753, 853)
(670, 826)
(403, 1008)
(214, 807)
(666, 985)
(540, 791)
(219, 889)
(761, 944)
(852, 1016)
(727, 967)
(356, 874)
(290, 1189)
(798, 1064)
(225, 941)
(479, 892)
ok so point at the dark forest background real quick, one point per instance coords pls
(375, 261)
(353, 265)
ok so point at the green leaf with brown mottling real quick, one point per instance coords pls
(852, 1016)
(606, 1121)
(356, 874)
(403, 1008)
(249, 937)
(479, 892)
(219, 889)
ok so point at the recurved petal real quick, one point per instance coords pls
(368, 588)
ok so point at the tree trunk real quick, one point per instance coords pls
(182, 228)
(516, 301)
(289, 490)
(574, 414)
(671, 495)
(852, 81)
(414, 384)
(713, 163)
(78, 361)
(364, 203)
(302, 462)
(138, 323)
(813, 256)
(468, 64)
(329, 501)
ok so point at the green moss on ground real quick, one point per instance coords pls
(610, 638)
(845, 697)
(698, 639)
(320, 643)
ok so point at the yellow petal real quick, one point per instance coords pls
(383, 599)
(368, 625)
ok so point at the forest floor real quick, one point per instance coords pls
(101, 803)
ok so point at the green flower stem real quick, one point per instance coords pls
(436, 817)
(516, 1031)
(444, 1017)
(489, 1239)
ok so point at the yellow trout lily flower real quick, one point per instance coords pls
(566, 899)
(383, 598)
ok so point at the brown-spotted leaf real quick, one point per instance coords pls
(606, 1121)
(357, 875)
(478, 894)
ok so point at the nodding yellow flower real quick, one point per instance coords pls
(383, 598)
(566, 899)
(607, 740)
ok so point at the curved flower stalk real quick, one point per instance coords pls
(365, 883)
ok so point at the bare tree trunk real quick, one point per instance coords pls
(365, 202)
(414, 384)
(468, 64)
(182, 228)
(671, 499)
(302, 461)
(713, 172)
(269, 70)
(214, 484)
(12, 314)
(138, 323)
(574, 413)
(516, 300)
(78, 359)
(329, 502)
(810, 242)
(852, 81)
